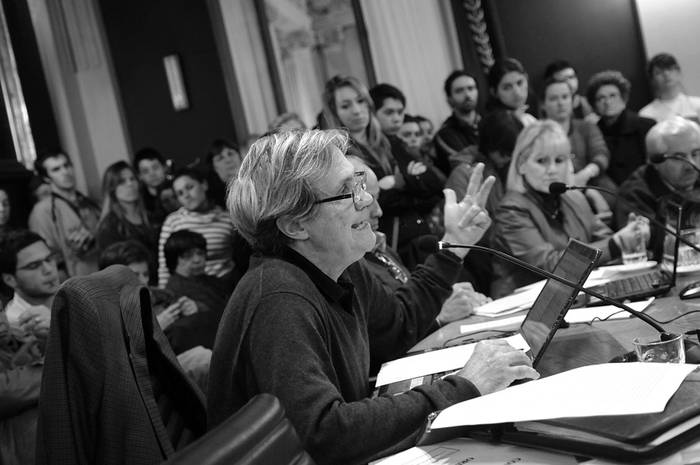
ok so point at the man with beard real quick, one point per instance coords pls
(458, 138)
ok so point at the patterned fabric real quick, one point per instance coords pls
(217, 229)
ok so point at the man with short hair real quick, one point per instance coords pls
(67, 220)
(563, 71)
(653, 187)
(151, 170)
(28, 266)
(665, 76)
(457, 140)
(389, 104)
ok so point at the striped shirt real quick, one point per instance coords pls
(217, 229)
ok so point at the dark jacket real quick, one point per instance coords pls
(649, 194)
(292, 331)
(453, 137)
(523, 229)
(625, 139)
(102, 378)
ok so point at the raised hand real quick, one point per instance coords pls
(467, 221)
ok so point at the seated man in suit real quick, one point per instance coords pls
(300, 321)
(653, 187)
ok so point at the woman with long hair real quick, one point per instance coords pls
(123, 213)
(409, 188)
(534, 225)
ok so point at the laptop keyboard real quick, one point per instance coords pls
(651, 283)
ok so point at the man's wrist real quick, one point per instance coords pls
(457, 251)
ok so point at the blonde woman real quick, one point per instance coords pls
(534, 225)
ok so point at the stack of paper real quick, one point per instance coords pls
(605, 389)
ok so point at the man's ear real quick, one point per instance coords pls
(292, 228)
(10, 280)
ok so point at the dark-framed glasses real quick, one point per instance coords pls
(36, 264)
(359, 187)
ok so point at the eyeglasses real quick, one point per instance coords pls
(359, 187)
(36, 264)
(695, 153)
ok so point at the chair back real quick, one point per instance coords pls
(258, 434)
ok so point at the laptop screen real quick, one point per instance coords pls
(551, 305)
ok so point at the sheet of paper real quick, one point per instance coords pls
(574, 315)
(584, 315)
(434, 361)
(459, 451)
(605, 389)
(523, 298)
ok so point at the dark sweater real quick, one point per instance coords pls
(291, 331)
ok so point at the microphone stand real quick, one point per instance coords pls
(557, 187)
(660, 158)
(538, 271)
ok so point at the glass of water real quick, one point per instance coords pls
(654, 349)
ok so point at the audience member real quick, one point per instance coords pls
(123, 213)
(409, 188)
(427, 144)
(591, 156)
(411, 134)
(509, 88)
(624, 131)
(67, 220)
(562, 70)
(201, 215)
(389, 105)
(222, 163)
(185, 255)
(28, 266)
(664, 73)
(21, 363)
(297, 325)
(286, 121)
(652, 187)
(534, 225)
(458, 137)
(152, 170)
(386, 266)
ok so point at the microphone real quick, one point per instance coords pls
(558, 188)
(692, 349)
(662, 157)
(539, 271)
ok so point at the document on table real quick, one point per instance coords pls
(434, 361)
(575, 315)
(605, 389)
(459, 451)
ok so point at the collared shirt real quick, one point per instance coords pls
(17, 306)
(335, 292)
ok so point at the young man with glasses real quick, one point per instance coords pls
(28, 266)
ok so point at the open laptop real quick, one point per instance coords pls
(539, 327)
(655, 282)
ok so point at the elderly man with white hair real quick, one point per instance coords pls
(650, 188)
(298, 324)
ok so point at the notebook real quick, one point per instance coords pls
(539, 327)
(652, 283)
